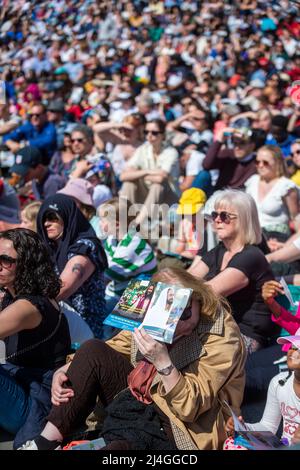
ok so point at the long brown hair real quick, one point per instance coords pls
(209, 301)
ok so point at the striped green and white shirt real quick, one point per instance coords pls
(127, 258)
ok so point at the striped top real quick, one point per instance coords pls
(127, 258)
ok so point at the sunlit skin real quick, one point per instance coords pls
(7, 274)
(266, 165)
(226, 231)
(25, 223)
(54, 228)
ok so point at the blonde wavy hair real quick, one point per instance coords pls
(210, 302)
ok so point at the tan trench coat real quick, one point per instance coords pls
(211, 361)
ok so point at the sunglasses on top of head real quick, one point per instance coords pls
(223, 216)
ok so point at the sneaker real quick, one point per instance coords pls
(40, 443)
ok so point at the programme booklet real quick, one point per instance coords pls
(253, 440)
(156, 307)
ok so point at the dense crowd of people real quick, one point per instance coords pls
(149, 140)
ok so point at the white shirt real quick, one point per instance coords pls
(167, 160)
(272, 209)
(194, 164)
(282, 402)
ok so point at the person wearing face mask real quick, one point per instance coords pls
(78, 256)
(175, 392)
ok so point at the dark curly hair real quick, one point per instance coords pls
(35, 273)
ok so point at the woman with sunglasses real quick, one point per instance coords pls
(78, 256)
(276, 196)
(236, 268)
(151, 175)
(35, 333)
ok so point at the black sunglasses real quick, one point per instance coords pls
(224, 216)
(152, 132)
(297, 152)
(35, 114)
(7, 261)
(78, 140)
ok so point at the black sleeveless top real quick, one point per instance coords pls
(45, 346)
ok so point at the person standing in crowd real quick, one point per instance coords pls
(78, 256)
(35, 333)
(151, 175)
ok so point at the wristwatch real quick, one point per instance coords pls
(166, 370)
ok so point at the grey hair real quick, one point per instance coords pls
(246, 209)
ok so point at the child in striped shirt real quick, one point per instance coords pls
(128, 255)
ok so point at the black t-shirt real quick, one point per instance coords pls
(248, 307)
(52, 351)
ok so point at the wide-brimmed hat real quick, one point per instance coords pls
(80, 189)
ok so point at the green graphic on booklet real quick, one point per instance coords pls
(156, 307)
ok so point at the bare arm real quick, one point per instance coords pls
(229, 281)
(77, 270)
(198, 269)
(286, 254)
(8, 127)
(21, 315)
(292, 202)
(187, 182)
(132, 174)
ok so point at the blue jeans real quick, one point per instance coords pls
(25, 401)
(14, 403)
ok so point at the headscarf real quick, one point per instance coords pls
(76, 227)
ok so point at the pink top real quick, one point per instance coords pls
(288, 321)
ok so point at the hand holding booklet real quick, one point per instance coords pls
(253, 440)
(156, 307)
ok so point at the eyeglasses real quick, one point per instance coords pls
(262, 162)
(80, 140)
(152, 132)
(35, 114)
(6, 261)
(297, 152)
(224, 216)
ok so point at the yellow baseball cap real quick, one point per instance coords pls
(191, 201)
